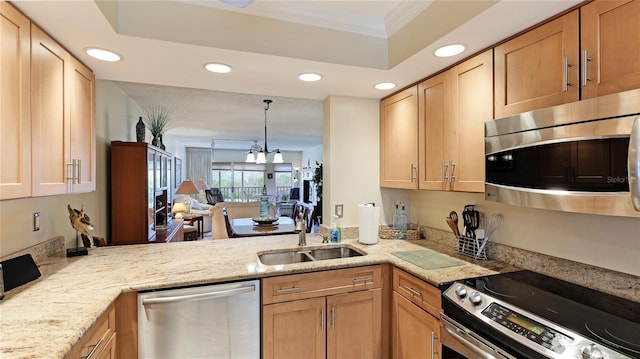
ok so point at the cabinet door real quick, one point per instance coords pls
(82, 136)
(49, 116)
(609, 36)
(530, 69)
(15, 118)
(415, 332)
(294, 329)
(399, 140)
(354, 328)
(472, 85)
(436, 131)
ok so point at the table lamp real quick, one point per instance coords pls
(178, 209)
(187, 188)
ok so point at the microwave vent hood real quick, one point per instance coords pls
(578, 157)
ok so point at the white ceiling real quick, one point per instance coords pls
(353, 44)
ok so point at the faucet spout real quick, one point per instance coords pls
(301, 228)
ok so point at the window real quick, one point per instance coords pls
(244, 181)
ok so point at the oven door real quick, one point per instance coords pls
(458, 340)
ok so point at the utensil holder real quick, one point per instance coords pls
(472, 247)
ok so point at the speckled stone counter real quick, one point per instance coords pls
(46, 317)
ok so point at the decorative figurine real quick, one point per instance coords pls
(81, 222)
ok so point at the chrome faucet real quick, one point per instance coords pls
(301, 228)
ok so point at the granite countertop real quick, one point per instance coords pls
(46, 317)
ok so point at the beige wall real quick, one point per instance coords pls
(351, 168)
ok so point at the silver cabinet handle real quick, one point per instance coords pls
(79, 170)
(633, 167)
(585, 71)
(413, 291)
(93, 350)
(287, 290)
(362, 280)
(333, 318)
(200, 296)
(322, 320)
(434, 352)
(565, 74)
(452, 167)
(413, 177)
(444, 171)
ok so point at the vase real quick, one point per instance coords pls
(140, 133)
(162, 147)
(154, 141)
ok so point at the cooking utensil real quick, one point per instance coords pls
(454, 217)
(495, 221)
(453, 226)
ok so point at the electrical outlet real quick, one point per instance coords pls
(338, 211)
(36, 221)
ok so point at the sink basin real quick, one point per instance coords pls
(298, 255)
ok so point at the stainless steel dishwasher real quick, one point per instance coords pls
(213, 321)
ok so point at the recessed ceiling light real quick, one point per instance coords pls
(310, 77)
(217, 68)
(102, 54)
(385, 86)
(449, 50)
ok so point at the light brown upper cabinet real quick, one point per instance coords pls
(589, 52)
(610, 47)
(48, 114)
(15, 116)
(452, 108)
(538, 68)
(399, 140)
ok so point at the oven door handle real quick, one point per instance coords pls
(461, 335)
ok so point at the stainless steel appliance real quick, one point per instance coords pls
(213, 321)
(528, 315)
(579, 157)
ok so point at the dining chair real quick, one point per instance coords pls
(230, 231)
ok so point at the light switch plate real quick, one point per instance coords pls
(36, 221)
(338, 211)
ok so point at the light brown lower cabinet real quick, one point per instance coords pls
(415, 331)
(99, 342)
(415, 326)
(339, 320)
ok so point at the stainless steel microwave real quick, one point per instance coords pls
(579, 157)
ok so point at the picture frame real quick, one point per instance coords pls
(178, 172)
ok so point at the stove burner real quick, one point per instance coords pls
(506, 289)
(613, 340)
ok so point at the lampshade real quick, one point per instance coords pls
(187, 187)
(261, 158)
(250, 157)
(277, 158)
(201, 184)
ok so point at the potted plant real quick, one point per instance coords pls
(158, 120)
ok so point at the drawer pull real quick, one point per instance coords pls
(413, 291)
(362, 280)
(287, 290)
(93, 350)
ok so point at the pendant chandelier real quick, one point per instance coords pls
(262, 153)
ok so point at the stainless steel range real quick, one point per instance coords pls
(528, 315)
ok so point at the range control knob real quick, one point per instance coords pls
(591, 352)
(461, 291)
(475, 298)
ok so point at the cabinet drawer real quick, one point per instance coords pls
(309, 285)
(417, 291)
(96, 340)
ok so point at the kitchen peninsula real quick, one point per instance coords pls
(73, 292)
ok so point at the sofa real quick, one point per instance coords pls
(202, 209)
(234, 210)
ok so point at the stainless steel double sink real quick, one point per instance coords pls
(308, 254)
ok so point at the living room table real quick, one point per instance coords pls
(198, 218)
(246, 227)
